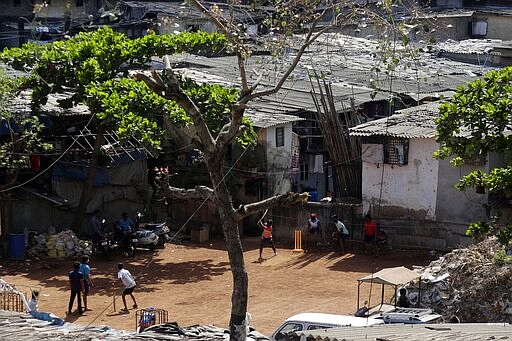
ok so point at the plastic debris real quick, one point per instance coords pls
(466, 285)
(65, 244)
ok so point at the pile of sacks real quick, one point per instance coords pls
(36, 244)
(64, 244)
(466, 285)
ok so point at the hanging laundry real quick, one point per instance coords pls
(319, 164)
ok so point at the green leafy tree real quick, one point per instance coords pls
(88, 65)
(96, 66)
(476, 122)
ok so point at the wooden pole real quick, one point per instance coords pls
(114, 298)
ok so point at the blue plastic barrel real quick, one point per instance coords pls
(313, 196)
(17, 246)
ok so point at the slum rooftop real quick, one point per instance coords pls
(415, 332)
(414, 122)
(22, 327)
(353, 66)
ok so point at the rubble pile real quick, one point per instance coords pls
(64, 244)
(465, 285)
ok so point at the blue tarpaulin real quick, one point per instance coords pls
(5, 129)
(62, 171)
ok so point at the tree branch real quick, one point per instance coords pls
(227, 29)
(199, 192)
(310, 38)
(289, 199)
(168, 87)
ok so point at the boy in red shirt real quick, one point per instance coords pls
(369, 230)
(266, 237)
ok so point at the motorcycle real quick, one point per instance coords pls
(126, 241)
(160, 229)
(104, 245)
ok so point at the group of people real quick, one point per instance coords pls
(80, 282)
(124, 224)
(372, 234)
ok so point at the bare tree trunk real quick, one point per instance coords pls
(88, 186)
(222, 200)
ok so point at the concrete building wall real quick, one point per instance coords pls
(173, 25)
(405, 191)
(279, 160)
(449, 3)
(8, 9)
(58, 8)
(498, 26)
(454, 206)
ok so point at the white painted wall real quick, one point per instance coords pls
(279, 160)
(58, 8)
(412, 186)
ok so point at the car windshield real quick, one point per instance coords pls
(287, 332)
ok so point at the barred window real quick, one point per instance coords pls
(396, 150)
(279, 136)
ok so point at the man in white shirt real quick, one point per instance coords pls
(340, 234)
(129, 284)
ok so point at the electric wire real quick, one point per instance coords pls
(150, 261)
(52, 164)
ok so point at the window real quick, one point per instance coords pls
(288, 332)
(279, 136)
(318, 326)
(304, 171)
(395, 149)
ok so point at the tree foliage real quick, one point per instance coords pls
(23, 133)
(94, 68)
(476, 122)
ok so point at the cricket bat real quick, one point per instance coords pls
(263, 216)
(114, 298)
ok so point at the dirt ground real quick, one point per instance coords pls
(193, 283)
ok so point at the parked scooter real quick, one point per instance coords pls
(160, 229)
(144, 239)
(130, 236)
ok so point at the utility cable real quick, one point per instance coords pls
(145, 266)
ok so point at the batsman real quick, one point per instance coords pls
(266, 235)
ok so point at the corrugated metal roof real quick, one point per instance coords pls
(183, 10)
(263, 120)
(21, 104)
(414, 122)
(23, 327)
(416, 332)
(349, 64)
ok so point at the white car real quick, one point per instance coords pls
(310, 321)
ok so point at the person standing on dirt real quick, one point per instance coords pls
(313, 226)
(369, 230)
(266, 237)
(76, 282)
(340, 234)
(85, 269)
(129, 284)
(96, 227)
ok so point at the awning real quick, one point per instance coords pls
(391, 276)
